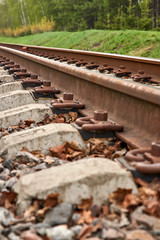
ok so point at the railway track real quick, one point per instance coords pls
(131, 104)
(110, 104)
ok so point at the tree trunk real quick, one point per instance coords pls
(40, 2)
(23, 14)
(29, 21)
(157, 13)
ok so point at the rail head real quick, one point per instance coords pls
(144, 92)
(89, 53)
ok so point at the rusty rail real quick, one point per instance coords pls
(149, 65)
(133, 105)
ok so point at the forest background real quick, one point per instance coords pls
(25, 17)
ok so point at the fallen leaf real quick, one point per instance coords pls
(119, 195)
(130, 200)
(105, 210)
(85, 204)
(51, 200)
(24, 149)
(86, 217)
(32, 210)
(29, 122)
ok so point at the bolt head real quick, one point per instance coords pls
(141, 71)
(101, 115)
(67, 96)
(155, 149)
(48, 84)
(122, 67)
(34, 76)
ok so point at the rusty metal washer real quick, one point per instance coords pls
(98, 123)
(147, 159)
(67, 101)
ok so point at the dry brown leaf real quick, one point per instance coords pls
(145, 193)
(152, 207)
(7, 196)
(105, 210)
(86, 204)
(15, 127)
(59, 120)
(32, 210)
(86, 217)
(74, 116)
(51, 200)
(24, 149)
(119, 195)
(130, 200)
(5, 134)
(37, 153)
(56, 151)
(23, 126)
(140, 182)
(66, 151)
(29, 122)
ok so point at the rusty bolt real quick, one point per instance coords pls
(155, 149)
(67, 96)
(34, 76)
(141, 71)
(100, 115)
(122, 67)
(48, 84)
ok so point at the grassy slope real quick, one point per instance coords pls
(129, 42)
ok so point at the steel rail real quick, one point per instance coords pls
(149, 65)
(133, 105)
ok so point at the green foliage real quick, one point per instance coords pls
(79, 15)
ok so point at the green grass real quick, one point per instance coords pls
(128, 42)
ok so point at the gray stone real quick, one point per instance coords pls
(2, 184)
(61, 214)
(2, 237)
(41, 166)
(8, 164)
(40, 228)
(1, 229)
(22, 166)
(112, 234)
(13, 236)
(1, 168)
(20, 227)
(26, 157)
(91, 177)
(6, 171)
(14, 173)
(76, 230)
(60, 233)
(75, 218)
(149, 221)
(6, 217)
(139, 235)
(10, 183)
